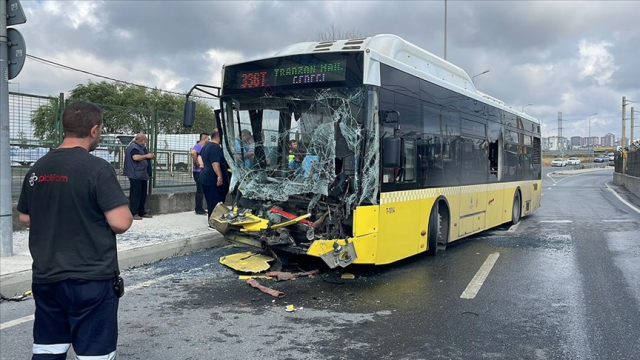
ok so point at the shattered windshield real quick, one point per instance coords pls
(294, 144)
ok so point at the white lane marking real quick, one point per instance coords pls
(513, 227)
(15, 322)
(549, 189)
(476, 283)
(621, 199)
(569, 176)
(556, 221)
(619, 221)
(28, 318)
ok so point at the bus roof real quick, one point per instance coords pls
(398, 50)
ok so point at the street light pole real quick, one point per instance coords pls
(589, 141)
(525, 107)
(445, 29)
(475, 76)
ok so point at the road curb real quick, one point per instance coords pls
(580, 171)
(17, 283)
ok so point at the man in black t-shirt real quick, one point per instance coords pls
(74, 206)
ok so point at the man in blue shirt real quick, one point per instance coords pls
(245, 147)
(137, 167)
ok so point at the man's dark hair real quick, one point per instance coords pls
(79, 117)
(202, 135)
(214, 133)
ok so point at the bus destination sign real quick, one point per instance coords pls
(292, 74)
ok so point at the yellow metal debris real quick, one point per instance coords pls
(247, 262)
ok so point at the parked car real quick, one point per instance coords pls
(601, 159)
(573, 161)
(611, 156)
(559, 162)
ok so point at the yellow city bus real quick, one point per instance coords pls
(368, 151)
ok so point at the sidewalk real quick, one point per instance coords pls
(147, 240)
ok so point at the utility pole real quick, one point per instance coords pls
(631, 138)
(560, 142)
(12, 54)
(624, 130)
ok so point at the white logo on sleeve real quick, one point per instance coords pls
(33, 178)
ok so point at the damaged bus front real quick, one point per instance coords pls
(300, 137)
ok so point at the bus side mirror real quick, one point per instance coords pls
(189, 114)
(391, 152)
(390, 116)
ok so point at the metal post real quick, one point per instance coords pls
(624, 114)
(445, 29)
(622, 141)
(632, 138)
(6, 218)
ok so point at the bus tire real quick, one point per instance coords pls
(516, 209)
(438, 225)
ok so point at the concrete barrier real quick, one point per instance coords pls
(632, 183)
(160, 203)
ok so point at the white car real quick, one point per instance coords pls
(573, 161)
(559, 162)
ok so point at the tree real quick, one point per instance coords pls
(127, 109)
(334, 32)
(44, 120)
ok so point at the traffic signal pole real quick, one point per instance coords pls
(6, 219)
(12, 54)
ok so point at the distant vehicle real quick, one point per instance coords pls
(26, 155)
(573, 161)
(559, 162)
(611, 156)
(600, 159)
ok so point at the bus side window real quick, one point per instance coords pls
(409, 163)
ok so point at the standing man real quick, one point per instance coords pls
(74, 206)
(195, 151)
(137, 168)
(214, 175)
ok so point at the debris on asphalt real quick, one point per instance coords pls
(264, 289)
(25, 295)
(281, 275)
(291, 308)
(347, 276)
(257, 276)
(247, 261)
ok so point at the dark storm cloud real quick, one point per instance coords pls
(578, 57)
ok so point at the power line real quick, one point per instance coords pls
(66, 67)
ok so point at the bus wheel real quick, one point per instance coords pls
(436, 229)
(517, 208)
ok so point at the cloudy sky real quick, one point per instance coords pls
(574, 57)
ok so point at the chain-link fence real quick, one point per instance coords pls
(632, 162)
(27, 144)
(35, 128)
